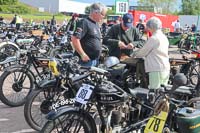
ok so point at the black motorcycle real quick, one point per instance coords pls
(50, 90)
(112, 109)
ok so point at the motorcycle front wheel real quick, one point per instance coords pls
(15, 86)
(39, 104)
(71, 121)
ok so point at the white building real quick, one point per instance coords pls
(56, 6)
(189, 20)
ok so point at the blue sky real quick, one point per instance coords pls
(112, 2)
(107, 2)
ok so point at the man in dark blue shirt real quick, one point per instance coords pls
(194, 28)
(87, 37)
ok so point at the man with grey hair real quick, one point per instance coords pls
(87, 37)
(155, 54)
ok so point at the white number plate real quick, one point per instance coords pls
(84, 93)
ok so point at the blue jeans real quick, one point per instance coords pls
(89, 63)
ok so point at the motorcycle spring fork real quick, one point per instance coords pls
(108, 128)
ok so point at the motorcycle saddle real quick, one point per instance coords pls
(131, 61)
(182, 89)
(65, 55)
(140, 93)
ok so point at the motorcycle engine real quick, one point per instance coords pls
(110, 94)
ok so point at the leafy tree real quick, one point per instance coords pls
(13, 6)
(109, 11)
(190, 7)
(167, 6)
(8, 2)
(14, 9)
(87, 10)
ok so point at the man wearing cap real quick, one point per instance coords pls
(122, 38)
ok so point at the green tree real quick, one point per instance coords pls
(87, 10)
(109, 11)
(8, 2)
(167, 6)
(190, 7)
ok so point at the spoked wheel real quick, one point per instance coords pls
(7, 50)
(15, 86)
(194, 74)
(69, 122)
(38, 105)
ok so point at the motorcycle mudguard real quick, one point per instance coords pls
(8, 60)
(56, 113)
(13, 67)
(46, 83)
(9, 43)
(18, 66)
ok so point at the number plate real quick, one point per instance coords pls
(156, 123)
(61, 103)
(84, 93)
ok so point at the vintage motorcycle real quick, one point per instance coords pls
(100, 103)
(50, 90)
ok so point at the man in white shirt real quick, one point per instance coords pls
(177, 26)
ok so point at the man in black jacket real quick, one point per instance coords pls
(71, 26)
(122, 38)
(13, 22)
(53, 24)
(140, 26)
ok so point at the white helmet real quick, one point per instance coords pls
(111, 61)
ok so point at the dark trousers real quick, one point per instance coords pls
(18, 26)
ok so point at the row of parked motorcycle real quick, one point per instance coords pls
(59, 95)
(187, 40)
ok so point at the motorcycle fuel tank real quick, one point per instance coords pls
(188, 120)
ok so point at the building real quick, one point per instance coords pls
(189, 20)
(56, 6)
